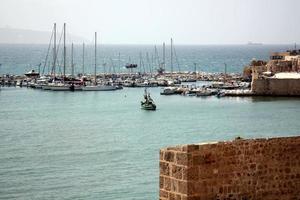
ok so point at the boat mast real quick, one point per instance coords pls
(164, 55)
(171, 57)
(95, 57)
(64, 52)
(149, 64)
(54, 51)
(113, 65)
(119, 59)
(72, 59)
(152, 63)
(156, 57)
(39, 68)
(140, 62)
(83, 59)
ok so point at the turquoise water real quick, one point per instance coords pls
(101, 145)
(18, 59)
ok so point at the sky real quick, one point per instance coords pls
(156, 21)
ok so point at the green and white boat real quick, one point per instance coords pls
(148, 103)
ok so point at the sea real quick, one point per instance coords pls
(101, 145)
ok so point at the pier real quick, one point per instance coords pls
(183, 82)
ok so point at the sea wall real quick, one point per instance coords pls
(267, 169)
(276, 87)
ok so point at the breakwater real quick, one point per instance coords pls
(276, 87)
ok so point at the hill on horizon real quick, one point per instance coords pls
(24, 36)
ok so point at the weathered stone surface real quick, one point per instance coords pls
(181, 158)
(169, 156)
(241, 169)
(276, 87)
(164, 168)
(176, 171)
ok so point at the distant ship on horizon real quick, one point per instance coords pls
(254, 43)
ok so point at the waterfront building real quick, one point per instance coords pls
(279, 76)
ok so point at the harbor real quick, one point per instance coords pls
(248, 82)
(144, 100)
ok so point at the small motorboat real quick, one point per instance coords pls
(168, 91)
(203, 93)
(148, 103)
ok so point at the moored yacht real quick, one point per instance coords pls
(95, 86)
(168, 91)
(99, 88)
(59, 86)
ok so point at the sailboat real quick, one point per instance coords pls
(59, 86)
(96, 87)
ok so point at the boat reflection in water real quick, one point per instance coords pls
(148, 103)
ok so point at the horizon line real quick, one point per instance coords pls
(148, 44)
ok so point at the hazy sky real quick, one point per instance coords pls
(155, 21)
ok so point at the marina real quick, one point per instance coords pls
(221, 84)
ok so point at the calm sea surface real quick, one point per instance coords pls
(18, 59)
(101, 145)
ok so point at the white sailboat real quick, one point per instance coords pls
(97, 87)
(59, 86)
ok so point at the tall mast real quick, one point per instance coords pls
(64, 52)
(140, 62)
(83, 59)
(164, 55)
(156, 56)
(113, 65)
(148, 61)
(95, 57)
(119, 63)
(171, 57)
(54, 50)
(72, 59)
(152, 61)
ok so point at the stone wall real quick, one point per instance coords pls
(276, 87)
(266, 169)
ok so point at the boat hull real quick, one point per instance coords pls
(46, 87)
(60, 88)
(99, 88)
(148, 106)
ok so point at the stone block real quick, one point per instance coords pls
(181, 158)
(169, 156)
(164, 168)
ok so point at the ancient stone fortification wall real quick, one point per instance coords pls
(284, 87)
(266, 169)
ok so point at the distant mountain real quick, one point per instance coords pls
(22, 36)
